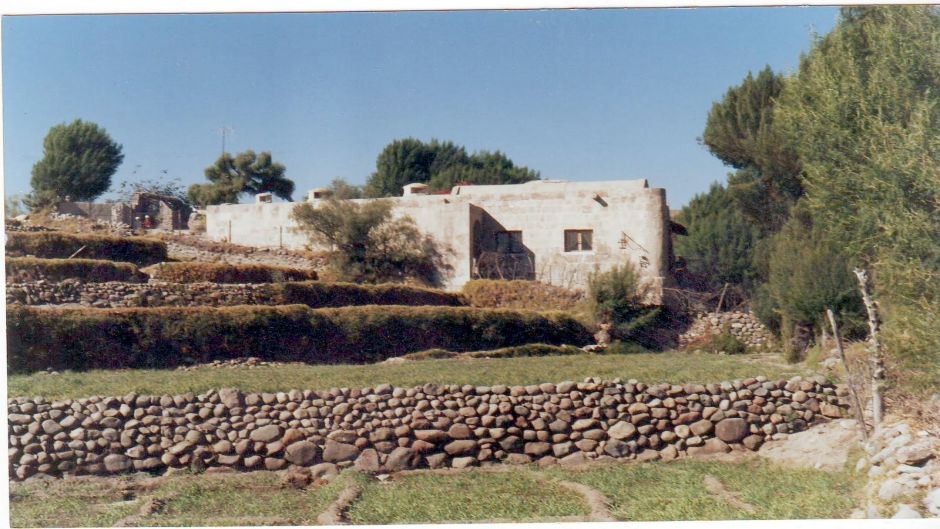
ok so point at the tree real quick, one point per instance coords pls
(158, 186)
(720, 242)
(13, 206)
(740, 131)
(863, 113)
(369, 244)
(343, 190)
(440, 165)
(246, 172)
(78, 161)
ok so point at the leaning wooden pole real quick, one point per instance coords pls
(859, 410)
(874, 341)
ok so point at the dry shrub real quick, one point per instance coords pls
(518, 294)
(317, 294)
(22, 269)
(167, 337)
(192, 272)
(140, 251)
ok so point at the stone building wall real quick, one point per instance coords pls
(742, 325)
(391, 428)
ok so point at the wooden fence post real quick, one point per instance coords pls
(859, 411)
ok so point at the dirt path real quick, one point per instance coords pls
(717, 488)
(335, 514)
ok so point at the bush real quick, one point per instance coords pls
(21, 269)
(55, 245)
(725, 342)
(226, 273)
(517, 294)
(527, 350)
(315, 294)
(372, 246)
(620, 347)
(168, 337)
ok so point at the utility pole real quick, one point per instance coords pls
(223, 131)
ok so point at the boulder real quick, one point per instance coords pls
(732, 430)
(621, 431)
(336, 452)
(301, 453)
(401, 459)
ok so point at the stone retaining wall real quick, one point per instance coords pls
(742, 325)
(118, 294)
(388, 428)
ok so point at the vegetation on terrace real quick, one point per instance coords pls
(192, 272)
(140, 251)
(21, 269)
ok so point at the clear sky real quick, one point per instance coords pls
(577, 95)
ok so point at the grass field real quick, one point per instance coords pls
(637, 491)
(673, 367)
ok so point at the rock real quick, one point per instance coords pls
(231, 398)
(615, 448)
(460, 447)
(301, 453)
(577, 458)
(702, 427)
(892, 489)
(368, 461)
(460, 431)
(932, 502)
(830, 410)
(431, 436)
(115, 463)
(324, 471)
(906, 512)
(436, 460)
(266, 434)
(297, 478)
(463, 462)
(648, 455)
(622, 430)
(731, 430)
(537, 449)
(272, 463)
(51, 427)
(669, 453)
(401, 459)
(916, 454)
(336, 452)
(583, 424)
(752, 442)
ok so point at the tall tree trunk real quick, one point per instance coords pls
(874, 345)
(849, 379)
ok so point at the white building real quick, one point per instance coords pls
(551, 231)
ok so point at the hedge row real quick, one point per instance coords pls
(57, 245)
(22, 269)
(316, 294)
(518, 351)
(167, 337)
(192, 272)
(517, 294)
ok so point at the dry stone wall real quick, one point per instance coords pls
(118, 294)
(742, 325)
(392, 428)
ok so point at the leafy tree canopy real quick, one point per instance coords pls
(720, 241)
(740, 132)
(441, 165)
(246, 172)
(78, 161)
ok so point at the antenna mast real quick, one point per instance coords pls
(223, 131)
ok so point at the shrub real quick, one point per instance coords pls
(20, 269)
(167, 337)
(316, 294)
(517, 294)
(725, 342)
(527, 350)
(56, 245)
(191, 272)
(619, 347)
(371, 246)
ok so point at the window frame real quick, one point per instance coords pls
(515, 245)
(579, 240)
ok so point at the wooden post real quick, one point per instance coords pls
(859, 411)
(230, 232)
(77, 252)
(877, 361)
(721, 298)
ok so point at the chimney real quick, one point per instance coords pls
(415, 189)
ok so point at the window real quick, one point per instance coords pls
(509, 242)
(578, 240)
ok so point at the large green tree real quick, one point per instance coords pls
(740, 132)
(78, 161)
(440, 165)
(863, 113)
(720, 242)
(247, 172)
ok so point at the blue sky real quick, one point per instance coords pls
(577, 95)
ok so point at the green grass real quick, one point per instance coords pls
(74, 503)
(476, 496)
(675, 491)
(673, 367)
(256, 498)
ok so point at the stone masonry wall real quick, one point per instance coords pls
(391, 428)
(742, 325)
(118, 294)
